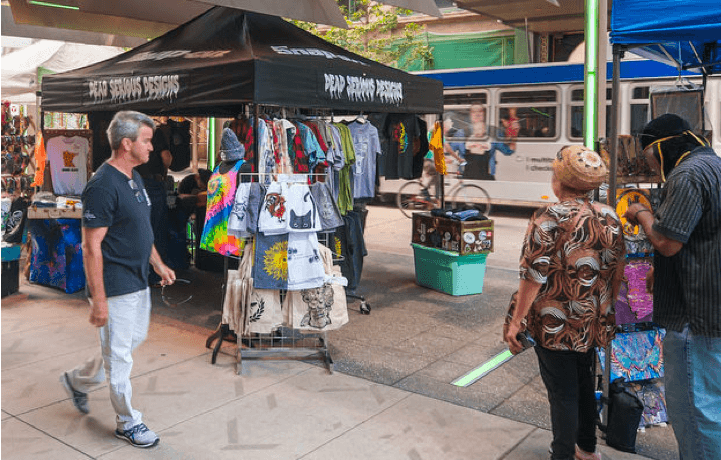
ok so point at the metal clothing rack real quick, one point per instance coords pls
(284, 343)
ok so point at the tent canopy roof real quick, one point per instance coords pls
(226, 58)
(22, 68)
(685, 34)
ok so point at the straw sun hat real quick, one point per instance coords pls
(579, 168)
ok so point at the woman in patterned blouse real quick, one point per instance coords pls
(570, 271)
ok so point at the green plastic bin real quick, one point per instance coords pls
(449, 272)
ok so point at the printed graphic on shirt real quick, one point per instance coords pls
(319, 302)
(275, 205)
(68, 164)
(275, 261)
(400, 135)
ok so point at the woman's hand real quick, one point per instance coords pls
(514, 327)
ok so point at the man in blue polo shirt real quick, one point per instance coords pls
(685, 231)
(117, 249)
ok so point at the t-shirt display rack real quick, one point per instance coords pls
(283, 342)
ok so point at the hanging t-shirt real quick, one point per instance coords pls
(367, 147)
(312, 148)
(270, 268)
(336, 161)
(379, 121)
(238, 220)
(281, 128)
(403, 131)
(345, 194)
(179, 143)
(267, 165)
(296, 151)
(420, 147)
(221, 197)
(273, 214)
(305, 267)
(302, 212)
(68, 158)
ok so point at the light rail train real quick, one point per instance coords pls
(509, 122)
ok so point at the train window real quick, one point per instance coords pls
(527, 114)
(575, 116)
(640, 109)
(641, 92)
(515, 97)
(465, 115)
(465, 122)
(465, 98)
(577, 94)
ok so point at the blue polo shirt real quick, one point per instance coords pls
(112, 200)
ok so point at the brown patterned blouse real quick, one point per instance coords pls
(575, 249)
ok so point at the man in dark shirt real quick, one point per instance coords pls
(117, 248)
(685, 232)
(154, 173)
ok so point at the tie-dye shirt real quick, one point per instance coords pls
(221, 197)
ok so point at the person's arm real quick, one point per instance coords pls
(92, 239)
(527, 292)
(166, 273)
(639, 214)
(167, 158)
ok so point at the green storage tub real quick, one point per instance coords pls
(449, 272)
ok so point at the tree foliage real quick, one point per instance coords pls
(374, 33)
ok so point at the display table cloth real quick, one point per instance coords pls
(57, 258)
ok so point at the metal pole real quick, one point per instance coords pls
(440, 178)
(611, 195)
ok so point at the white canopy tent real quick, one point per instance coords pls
(21, 68)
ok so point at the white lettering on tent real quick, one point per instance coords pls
(389, 91)
(161, 87)
(360, 89)
(334, 85)
(170, 54)
(313, 52)
(133, 89)
(98, 90)
(363, 89)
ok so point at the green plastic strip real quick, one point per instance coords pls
(483, 369)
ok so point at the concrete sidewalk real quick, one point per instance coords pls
(274, 410)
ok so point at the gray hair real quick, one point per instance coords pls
(127, 124)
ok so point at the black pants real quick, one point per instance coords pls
(568, 377)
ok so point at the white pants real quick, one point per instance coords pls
(127, 327)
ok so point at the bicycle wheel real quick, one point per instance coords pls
(475, 196)
(412, 197)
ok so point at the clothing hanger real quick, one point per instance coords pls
(359, 118)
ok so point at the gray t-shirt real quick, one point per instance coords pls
(367, 145)
(112, 200)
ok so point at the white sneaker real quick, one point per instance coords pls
(139, 436)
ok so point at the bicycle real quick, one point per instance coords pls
(415, 196)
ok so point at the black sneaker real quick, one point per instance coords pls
(80, 399)
(139, 436)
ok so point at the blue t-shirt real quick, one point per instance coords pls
(112, 200)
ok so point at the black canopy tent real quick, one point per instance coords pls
(227, 58)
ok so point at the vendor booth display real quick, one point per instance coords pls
(56, 258)
(282, 87)
(689, 41)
